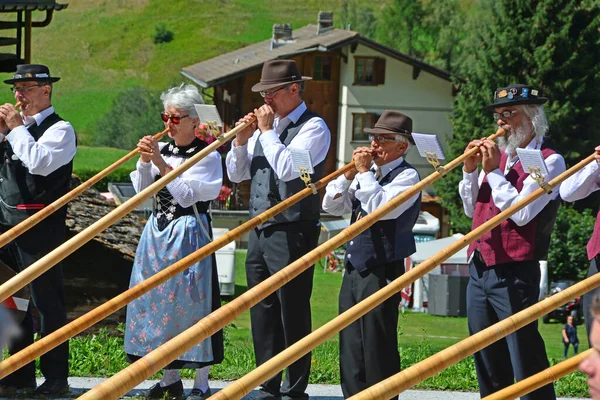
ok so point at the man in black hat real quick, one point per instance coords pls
(36, 161)
(504, 263)
(369, 346)
(264, 155)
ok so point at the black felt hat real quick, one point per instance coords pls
(32, 72)
(516, 94)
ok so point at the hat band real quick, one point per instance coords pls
(392, 128)
(280, 80)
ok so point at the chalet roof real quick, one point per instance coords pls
(228, 66)
(31, 5)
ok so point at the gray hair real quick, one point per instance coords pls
(403, 139)
(183, 97)
(537, 116)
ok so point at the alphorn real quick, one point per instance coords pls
(63, 334)
(129, 377)
(542, 378)
(453, 354)
(62, 251)
(57, 204)
(248, 382)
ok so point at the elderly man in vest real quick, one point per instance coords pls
(369, 346)
(577, 187)
(264, 155)
(504, 263)
(36, 161)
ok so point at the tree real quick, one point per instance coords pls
(550, 44)
(134, 114)
(401, 27)
(567, 257)
(359, 18)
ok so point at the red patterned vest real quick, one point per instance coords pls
(593, 246)
(509, 242)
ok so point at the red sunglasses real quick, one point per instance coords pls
(175, 119)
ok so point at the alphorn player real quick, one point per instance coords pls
(263, 153)
(179, 225)
(591, 364)
(579, 186)
(504, 263)
(36, 162)
(369, 346)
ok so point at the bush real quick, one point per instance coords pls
(162, 34)
(567, 257)
(134, 113)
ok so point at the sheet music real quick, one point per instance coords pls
(428, 143)
(532, 158)
(208, 113)
(301, 158)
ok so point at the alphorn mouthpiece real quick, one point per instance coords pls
(19, 104)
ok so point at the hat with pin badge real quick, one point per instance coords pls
(32, 72)
(515, 95)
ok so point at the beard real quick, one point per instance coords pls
(515, 138)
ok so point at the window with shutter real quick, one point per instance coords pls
(359, 123)
(369, 71)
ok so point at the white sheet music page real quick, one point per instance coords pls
(301, 158)
(428, 143)
(532, 158)
(208, 113)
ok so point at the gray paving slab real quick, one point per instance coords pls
(316, 392)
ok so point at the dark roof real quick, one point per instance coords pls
(238, 62)
(31, 5)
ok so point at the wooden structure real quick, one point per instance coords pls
(17, 32)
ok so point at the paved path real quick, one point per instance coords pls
(316, 392)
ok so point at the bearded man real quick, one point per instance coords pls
(504, 263)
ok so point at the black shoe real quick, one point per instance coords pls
(9, 387)
(52, 387)
(197, 394)
(174, 390)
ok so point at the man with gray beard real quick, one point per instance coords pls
(504, 263)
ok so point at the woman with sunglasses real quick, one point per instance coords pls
(178, 226)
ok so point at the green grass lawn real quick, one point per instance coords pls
(420, 336)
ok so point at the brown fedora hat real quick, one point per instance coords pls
(393, 122)
(278, 72)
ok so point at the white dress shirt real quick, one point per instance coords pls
(340, 192)
(55, 148)
(202, 182)
(582, 183)
(504, 194)
(313, 136)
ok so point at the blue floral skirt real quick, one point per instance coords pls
(176, 305)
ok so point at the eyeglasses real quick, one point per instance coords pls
(505, 114)
(271, 93)
(175, 119)
(23, 89)
(382, 139)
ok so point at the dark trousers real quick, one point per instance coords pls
(46, 295)
(284, 317)
(496, 293)
(588, 298)
(566, 349)
(369, 346)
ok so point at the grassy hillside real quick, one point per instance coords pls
(99, 47)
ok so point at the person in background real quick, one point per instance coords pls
(178, 226)
(569, 336)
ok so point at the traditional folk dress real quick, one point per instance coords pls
(178, 226)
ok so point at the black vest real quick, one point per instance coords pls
(267, 190)
(386, 240)
(19, 188)
(166, 208)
